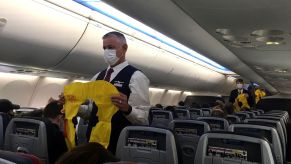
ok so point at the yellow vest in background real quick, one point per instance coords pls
(259, 94)
(100, 92)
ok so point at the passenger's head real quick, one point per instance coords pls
(6, 106)
(181, 103)
(219, 104)
(91, 153)
(229, 108)
(115, 47)
(239, 83)
(159, 106)
(170, 108)
(216, 112)
(53, 111)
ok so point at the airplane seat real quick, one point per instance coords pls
(261, 111)
(215, 123)
(81, 131)
(8, 157)
(27, 135)
(232, 148)
(280, 119)
(274, 124)
(4, 120)
(194, 113)
(257, 113)
(232, 119)
(282, 114)
(187, 133)
(161, 118)
(150, 116)
(147, 144)
(242, 116)
(251, 114)
(269, 133)
(181, 114)
(206, 112)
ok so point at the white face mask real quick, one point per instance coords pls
(110, 56)
(239, 86)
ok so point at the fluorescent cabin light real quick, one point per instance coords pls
(138, 29)
(174, 91)
(187, 93)
(156, 89)
(81, 81)
(56, 80)
(18, 76)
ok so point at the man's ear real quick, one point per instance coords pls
(124, 47)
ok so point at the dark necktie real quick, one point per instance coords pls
(108, 74)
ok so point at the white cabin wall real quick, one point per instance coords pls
(47, 87)
(17, 88)
(35, 91)
(30, 91)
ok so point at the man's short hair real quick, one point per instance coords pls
(239, 81)
(52, 110)
(115, 34)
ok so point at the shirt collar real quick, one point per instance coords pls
(119, 67)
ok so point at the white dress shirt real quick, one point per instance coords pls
(139, 96)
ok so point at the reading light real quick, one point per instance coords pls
(272, 43)
(138, 27)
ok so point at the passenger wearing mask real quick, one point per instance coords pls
(240, 96)
(53, 118)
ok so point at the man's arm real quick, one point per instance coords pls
(232, 97)
(139, 99)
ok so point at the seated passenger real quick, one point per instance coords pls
(171, 109)
(159, 106)
(53, 118)
(181, 103)
(217, 112)
(229, 108)
(91, 153)
(218, 104)
(6, 106)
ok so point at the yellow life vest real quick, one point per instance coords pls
(243, 99)
(99, 91)
(259, 94)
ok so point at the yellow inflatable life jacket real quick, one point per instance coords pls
(242, 98)
(100, 92)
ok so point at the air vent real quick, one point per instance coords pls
(267, 33)
(223, 31)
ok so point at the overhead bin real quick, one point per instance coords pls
(87, 57)
(36, 33)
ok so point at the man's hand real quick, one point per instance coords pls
(120, 101)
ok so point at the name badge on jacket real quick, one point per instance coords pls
(118, 84)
